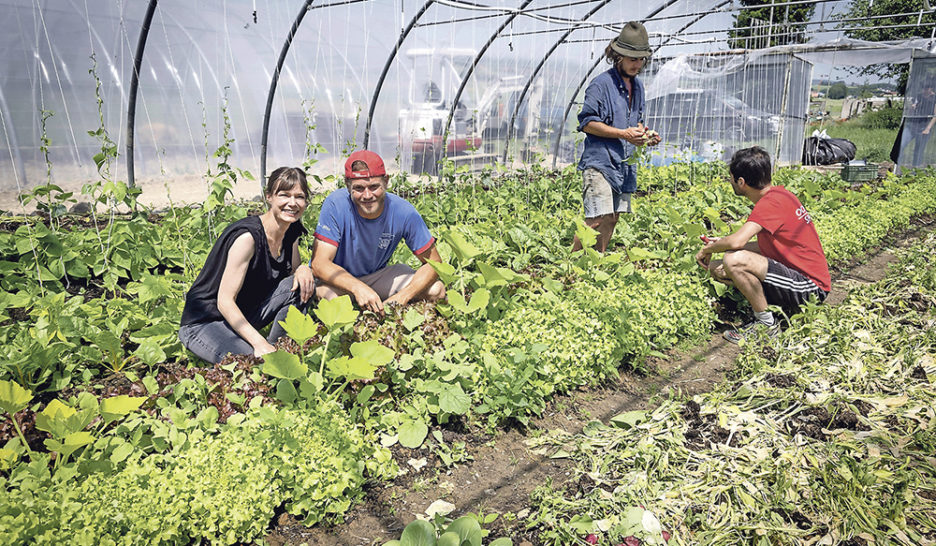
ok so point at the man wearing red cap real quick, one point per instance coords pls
(358, 231)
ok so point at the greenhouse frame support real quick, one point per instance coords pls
(134, 84)
(274, 80)
(471, 68)
(560, 41)
(386, 69)
(588, 74)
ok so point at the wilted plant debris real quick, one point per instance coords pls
(830, 441)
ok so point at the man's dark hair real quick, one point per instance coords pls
(753, 165)
(611, 56)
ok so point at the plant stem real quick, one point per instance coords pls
(21, 435)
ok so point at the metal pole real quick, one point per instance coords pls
(386, 68)
(264, 136)
(474, 64)
(581, 84)
(134, 83)
(549, 53)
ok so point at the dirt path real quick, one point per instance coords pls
(504, 472)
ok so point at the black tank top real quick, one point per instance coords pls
(264, 272)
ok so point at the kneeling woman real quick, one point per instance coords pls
(251, 277)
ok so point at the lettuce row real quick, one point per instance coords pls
(224, 489)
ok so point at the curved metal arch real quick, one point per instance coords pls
(386, 69)
(134, 84)
(535, 73)
(588, 74)
(471, 68)
(264, 136)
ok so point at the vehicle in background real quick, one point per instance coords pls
(481, 116)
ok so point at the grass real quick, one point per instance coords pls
(873, 144)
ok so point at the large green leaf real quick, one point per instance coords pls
(351, 368)
(13, 397)
(448, 539)
(150, 352)
(492, 276)
(467, 529)
(286, 391)
(8, 458)
(454, 400)
(479, 300)
(115, 407)
(446, 272)
(373, 352)
(336, 312)
(299, 326)
(60, 420)
(464, 250)
(418, 533)
(284, 365)
(70, 443)
(585, 234)
(413, 319)
(629, 419)
(412, 434)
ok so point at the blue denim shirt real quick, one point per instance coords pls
(606, 100)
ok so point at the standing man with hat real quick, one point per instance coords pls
(359, 228)
(612, 120)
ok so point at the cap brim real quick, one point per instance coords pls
(637, 54)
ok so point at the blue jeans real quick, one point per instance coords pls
(211, 341)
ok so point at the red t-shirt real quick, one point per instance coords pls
(789, 235)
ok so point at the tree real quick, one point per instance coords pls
(769, 25)
(837, 90)
(859, 15)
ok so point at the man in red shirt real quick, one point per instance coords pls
(786, 265)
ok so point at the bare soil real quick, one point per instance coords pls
(504, 472)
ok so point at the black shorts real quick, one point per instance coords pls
(787, 287)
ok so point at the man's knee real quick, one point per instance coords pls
(736, 261)
(325, 292)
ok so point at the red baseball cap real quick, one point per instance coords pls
(375, 166)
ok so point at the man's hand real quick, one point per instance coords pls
(263, 349)
(703, 258)
(397, 298)
(304, 281)
(634, 135)
(652, 138)
(367, 298)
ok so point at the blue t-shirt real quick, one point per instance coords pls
(607, 101)
(365, 246)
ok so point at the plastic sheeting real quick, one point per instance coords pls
(919, 115)
(707, 106)
(481, 84)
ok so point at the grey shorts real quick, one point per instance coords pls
(386, 282)
(787, 287)
(597, 197)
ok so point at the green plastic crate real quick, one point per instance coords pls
(860, 173)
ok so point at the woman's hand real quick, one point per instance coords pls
(263, 349)
(304, 280)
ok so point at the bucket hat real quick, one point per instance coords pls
(375, 165)
(633, 41)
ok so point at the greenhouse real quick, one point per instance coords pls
(667, 272)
